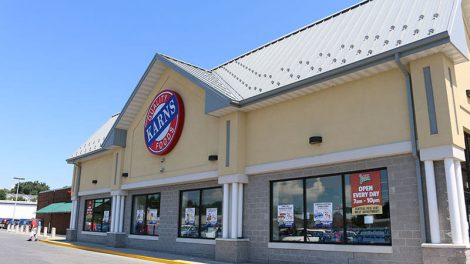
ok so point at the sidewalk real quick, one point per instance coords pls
(159, 257)
(153, 256)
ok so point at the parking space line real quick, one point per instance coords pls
(117, 253)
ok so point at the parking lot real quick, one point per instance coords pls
(15, 249)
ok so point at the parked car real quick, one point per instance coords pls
(4, 223)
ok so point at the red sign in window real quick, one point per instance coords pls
(366, 193)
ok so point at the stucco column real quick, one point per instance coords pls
(240, 210)
(461, 198)
(225, 214)
(234, 217)
(121, 214)
(113, 213)
(433, 212)
(116, 214)
(452, 197)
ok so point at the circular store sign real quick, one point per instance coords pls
(164, 122)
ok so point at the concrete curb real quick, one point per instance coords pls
(117, 253)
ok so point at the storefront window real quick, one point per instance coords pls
(348, 208)
(97, 215)
(146, 214)
(201, 213)
(324, 210)
(288, 210)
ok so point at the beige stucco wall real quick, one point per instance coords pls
(447, 129)
(462, 77)
(367, 112)
(100, 168)
(198, 139)
(362, 113)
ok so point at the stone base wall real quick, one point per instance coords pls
(445, 255)
(232, 250)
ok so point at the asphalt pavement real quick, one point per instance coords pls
(14, 248)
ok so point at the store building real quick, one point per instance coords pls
(342, 142)
(54, 208)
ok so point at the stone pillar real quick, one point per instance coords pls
(433, 212)
(461, 199)
(454, 210)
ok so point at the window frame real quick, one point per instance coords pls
(132, 232)
(305, 221)
(199, 210)
(93, 214)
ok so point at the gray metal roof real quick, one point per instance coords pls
(354, 34)
(95, 142)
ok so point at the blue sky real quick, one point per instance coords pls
(66, 67)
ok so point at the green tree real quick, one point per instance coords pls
(3, 194)
(30, 187)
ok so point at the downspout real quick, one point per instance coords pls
(414, 145)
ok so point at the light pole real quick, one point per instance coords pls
(16, 198)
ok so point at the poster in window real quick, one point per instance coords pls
(211, 216)
(366, 193)
(105, 217)
(152, 216)
(189, 214)
(323, 213)
(285, 215)
(139, 216)
(89, 207)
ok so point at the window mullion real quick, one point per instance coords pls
(199, 207)
(305, 208)
(345, 234)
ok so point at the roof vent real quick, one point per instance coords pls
(398, 42)
(307, 62)
(386, 42)
(431, 31)
(300, 62)
(392, 28)
(416, 32)
(377, 37)
(436, 15)
(311, 68)
(404, 27)
(421, 17)
(366, 37)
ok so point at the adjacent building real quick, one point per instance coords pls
(54, 208)
(342, 142)
(22, 210)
